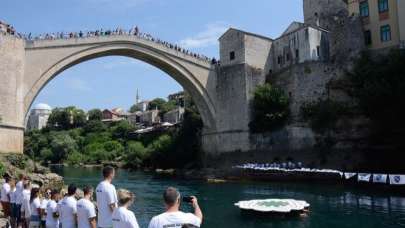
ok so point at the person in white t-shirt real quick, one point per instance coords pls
(5, 197)
(52, 220)
(173, 217)
(86, 211)
(67, 209)
(44, 202)
(122, 217)
(25, 205)
(12, 194)
(35, 209)
(19, 198)
(106, 198)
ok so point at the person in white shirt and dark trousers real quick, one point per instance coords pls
(52, 220)
(122, 217)
(106, 198)
(67, 209)
(86, 211)
(173, 217)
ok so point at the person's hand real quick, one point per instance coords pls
(194, 201)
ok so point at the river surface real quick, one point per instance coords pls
(331, 205)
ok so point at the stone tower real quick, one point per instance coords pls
(317, 12)
(346, 34)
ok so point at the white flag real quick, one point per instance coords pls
(380, 178)
(349, 175)
(397, 179)
(364, 177)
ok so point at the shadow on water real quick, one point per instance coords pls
(331, 205)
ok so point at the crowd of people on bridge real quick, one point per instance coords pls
(6, 29)
(135, 31)
(27, 205)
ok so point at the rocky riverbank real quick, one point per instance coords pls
(15, 165)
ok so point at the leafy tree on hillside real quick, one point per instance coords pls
(157, 104)
(61, 145)
(95, 114)
(134, 108)
(122, 130)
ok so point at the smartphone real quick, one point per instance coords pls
(187, 199)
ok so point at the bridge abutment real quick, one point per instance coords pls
(12, 56)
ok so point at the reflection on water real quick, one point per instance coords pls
(331, 205)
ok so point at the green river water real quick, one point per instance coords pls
(331, 205)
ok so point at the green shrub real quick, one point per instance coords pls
(2, 169)
(322, 114)
(17, 160)
(270, 108)
(135, 154)
(75, 158)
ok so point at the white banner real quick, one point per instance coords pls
(364, 177)
(397, 179)
(380, 178)
(349, 175)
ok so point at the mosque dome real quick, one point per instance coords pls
(42, 106)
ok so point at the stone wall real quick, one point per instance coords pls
(11, 102)
(235, 86)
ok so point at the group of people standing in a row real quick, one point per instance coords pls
(23, 205)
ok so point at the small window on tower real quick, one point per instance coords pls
(232, 55)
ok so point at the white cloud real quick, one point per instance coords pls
(78, 84)
(207, 37)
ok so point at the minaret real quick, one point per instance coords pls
(137, 101)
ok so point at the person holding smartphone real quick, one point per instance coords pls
(173, 217)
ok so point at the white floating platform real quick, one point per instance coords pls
(285, 206)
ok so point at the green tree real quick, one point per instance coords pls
(134, 108)
(79, 118)
(62, 144)
(157, 103)
(379, 84)
(75, 158)
(122, 130)
(95, 114)
(270, 108)
(94, 126)
(114, 149)
(135, 154)
(59, 119)
(95, 152)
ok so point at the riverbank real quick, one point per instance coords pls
(16, 164)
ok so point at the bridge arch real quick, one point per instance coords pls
(45, 62)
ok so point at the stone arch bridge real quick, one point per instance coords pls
(27, 66)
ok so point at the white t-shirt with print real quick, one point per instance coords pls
(85, 211)
(25, 206)
(44, 202)
(5, 190)
(35, 205)
(67, 212)
(13, 195)
(174, 219)
(19, 192)
(124, 218)
(51, 207)
(106, 195)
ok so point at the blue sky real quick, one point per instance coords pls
(112, 81)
